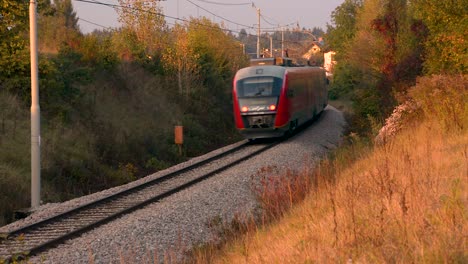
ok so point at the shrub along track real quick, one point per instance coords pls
(39, 236)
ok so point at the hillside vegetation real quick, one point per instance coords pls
(399, 197)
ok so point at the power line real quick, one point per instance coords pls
(276, 25)
(266, 21)
(250, 27)
(93, 23)
(264, 18)
(123, 8)
(179, 19)
(225, 4)
(219, 16)
(131, 8)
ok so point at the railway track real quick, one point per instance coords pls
(37, 237)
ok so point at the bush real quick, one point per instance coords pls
(444, 99)
(345, 80)
(14, 156)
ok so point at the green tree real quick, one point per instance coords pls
(58, 26)
(65, 8)
(97, 51)
(318, 32)
(446, 48)
(14, 57)
(242, 35)
(343, 26)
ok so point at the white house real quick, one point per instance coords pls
(329, 61)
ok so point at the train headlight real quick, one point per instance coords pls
(244, 109)
(272, 107)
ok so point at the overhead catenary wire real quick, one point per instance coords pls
(93, 23)
(264, 18)
(112, 28)
(223, 18)
(184, 20)
(155, 13)
(178, 19)
(236, 23)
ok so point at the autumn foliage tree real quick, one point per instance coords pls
(220, 55)
(181, 59)
(380, 60)
(202, 50)
(145, 20)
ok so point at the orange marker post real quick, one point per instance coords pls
(179, 137)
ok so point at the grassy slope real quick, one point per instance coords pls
(401, 202)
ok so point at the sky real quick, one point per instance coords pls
(308, 13)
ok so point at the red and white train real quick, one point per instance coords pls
(271, 98)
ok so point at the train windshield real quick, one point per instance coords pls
(259, 86)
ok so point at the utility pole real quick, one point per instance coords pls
(282, 41)
(271, 47)
(35, 111)
(258, 34)
(258, 30)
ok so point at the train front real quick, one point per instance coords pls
(260, 109)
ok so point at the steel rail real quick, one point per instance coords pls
(170, 175)
(73, 214)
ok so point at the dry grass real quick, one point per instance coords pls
(406, 202)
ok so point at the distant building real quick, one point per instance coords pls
(329, 61)
(314, 54)
(313, 50)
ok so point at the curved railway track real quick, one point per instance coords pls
(37, 237)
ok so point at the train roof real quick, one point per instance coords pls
(265, 70)
(274, 70)
(279, 61)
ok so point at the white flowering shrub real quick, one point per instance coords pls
(400, 116)
(442, 98)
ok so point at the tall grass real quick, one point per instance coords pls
(403, 201)
(443, 98)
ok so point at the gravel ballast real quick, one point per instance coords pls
(175, 224)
